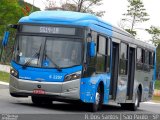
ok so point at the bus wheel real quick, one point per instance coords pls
(41, 100)
(98, 100)
(135, 105)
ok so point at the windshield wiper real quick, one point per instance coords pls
(28, 62)
(58, 68)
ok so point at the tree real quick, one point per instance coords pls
(10, 13)
(84, 6)
(136, 13)
(155, 33)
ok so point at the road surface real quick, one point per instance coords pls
(25, 109)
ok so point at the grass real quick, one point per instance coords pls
(156, 99)
(157, 84)
(4, 76)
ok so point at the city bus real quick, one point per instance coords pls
(72, 56)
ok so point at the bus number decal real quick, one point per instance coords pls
(57, 77)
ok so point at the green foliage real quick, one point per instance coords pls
(134, 33)
(136, 13)
(156, 99)
(10, 13)
(155, 33)
(4, 76)
(84, 6)
(157, 84)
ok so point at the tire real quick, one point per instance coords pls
(132, 106)
(98, 100)
(41, 100)
(136, 104)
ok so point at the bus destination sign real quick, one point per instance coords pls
(48, 30)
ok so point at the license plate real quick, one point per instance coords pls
(38, 91)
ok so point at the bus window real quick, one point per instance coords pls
(151, 58)
(139, 55)
(146, 57)
(102, 45)
(103, 55)
(146, 64)
(100, 67)
(123, 59)
(143, 56)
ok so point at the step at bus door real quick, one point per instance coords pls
(131, 73)
(114, 75)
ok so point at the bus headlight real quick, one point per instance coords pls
(14, 72)
(73, 76)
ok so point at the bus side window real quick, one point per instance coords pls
(108, 54)
(151, 59)
(123, 59)
(146, 65)
(143, 59)
(139, 59)
(101, 54)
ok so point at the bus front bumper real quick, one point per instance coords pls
(25, 88)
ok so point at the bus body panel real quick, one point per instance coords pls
(31, 78)
(89, 87)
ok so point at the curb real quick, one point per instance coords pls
(3, 83)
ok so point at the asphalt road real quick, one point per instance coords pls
(58, 110)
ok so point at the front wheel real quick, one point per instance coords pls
(98, 100)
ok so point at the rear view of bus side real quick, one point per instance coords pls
(65, 56)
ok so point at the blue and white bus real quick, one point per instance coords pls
(64, 55)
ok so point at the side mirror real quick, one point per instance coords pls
(15, 26)
(91, 49)
(5, 38)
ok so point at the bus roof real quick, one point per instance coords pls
(55, 17)
(79, 19)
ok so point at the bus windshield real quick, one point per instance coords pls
(47, 52)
